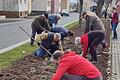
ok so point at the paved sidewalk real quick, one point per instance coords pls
(115, 46)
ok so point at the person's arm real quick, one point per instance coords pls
(87, 28)
(41, 37)
(84, 49)
(60, 46)
(47, 26)
(61, 70)
(117, 18)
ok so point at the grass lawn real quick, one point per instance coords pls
(17, 53)
(8, 57)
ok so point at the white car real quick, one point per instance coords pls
(64, 12)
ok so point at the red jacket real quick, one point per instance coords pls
(84, 43)
(74, 64)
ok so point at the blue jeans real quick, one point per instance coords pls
(114, 27)
(75, 77)
(41, 52)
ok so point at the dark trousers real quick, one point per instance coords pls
(63, 35)
(75, 77)
(114, 27)
(93, 45)
(35, 30)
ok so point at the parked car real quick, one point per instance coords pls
(64, 12)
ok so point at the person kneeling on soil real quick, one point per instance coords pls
(90, 41)
(72, 66)
(50, 41)
(62, 30)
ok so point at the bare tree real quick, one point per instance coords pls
(100, 4)
(81, 6)
(117, 1)
(107, 2)
(106, 5)
(80, 9)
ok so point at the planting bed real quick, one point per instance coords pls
(32, 68)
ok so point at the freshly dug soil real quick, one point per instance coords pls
(32, 68)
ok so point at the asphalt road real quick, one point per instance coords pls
(11, 34)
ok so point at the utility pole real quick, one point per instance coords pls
(52, 6)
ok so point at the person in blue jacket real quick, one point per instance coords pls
(62, 30)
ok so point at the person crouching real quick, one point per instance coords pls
(90, 41)
(74, 67)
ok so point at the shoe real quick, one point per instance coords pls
(115, 38)
(93, 62)
(105, 46)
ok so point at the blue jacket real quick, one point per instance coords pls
(62, 30)
(48, 42)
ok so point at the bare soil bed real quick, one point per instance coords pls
(32, 68)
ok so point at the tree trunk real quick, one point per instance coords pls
(81, 8)
(100, 4)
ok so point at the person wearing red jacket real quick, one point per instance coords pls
(90, 41)
(72, 66)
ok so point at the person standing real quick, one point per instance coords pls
(114, 23)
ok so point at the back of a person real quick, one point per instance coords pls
(52, 19)
(95, 22)
(81, 66)
(92, 35)
(59, 29)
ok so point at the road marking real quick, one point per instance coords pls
(13, 46)
(15, 22)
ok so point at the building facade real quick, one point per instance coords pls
(41, 6)
(15, 8)
(65, 4)
(51, 6)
